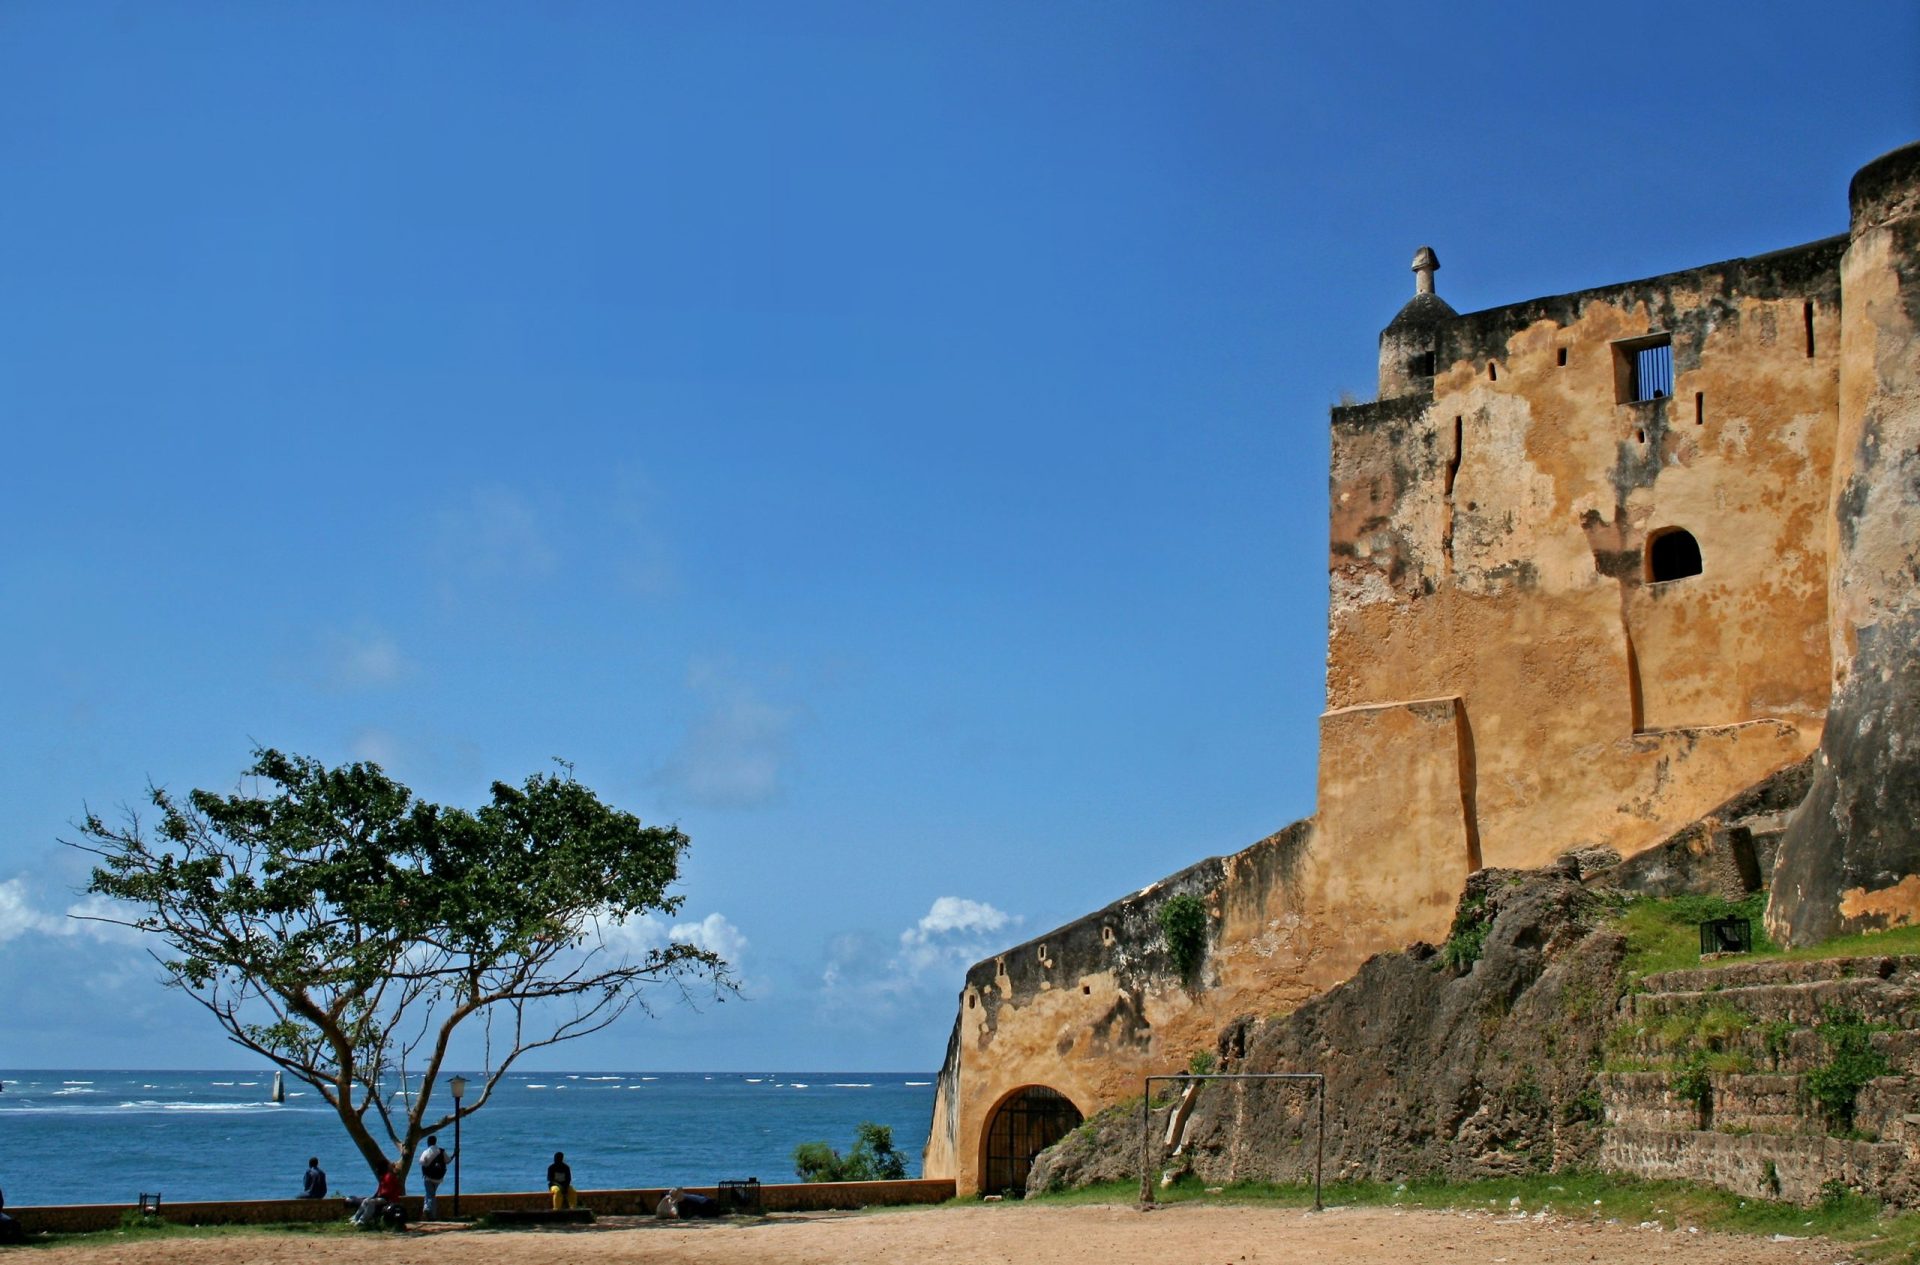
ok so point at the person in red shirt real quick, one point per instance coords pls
(387, 1194)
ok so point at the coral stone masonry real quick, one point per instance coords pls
(1597, 563)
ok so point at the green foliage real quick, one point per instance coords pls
(1468, 938)
(1693, 1083)
(1183, 925)
(1852, 1062)
(1202, 1063)
(872, 1158)
(1584, 1107)
(344, 929)
(1777, 1037)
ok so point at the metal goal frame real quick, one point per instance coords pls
(1318, 1079)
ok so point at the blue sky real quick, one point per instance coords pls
(887, 440)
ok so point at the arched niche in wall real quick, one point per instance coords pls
(1672, 554)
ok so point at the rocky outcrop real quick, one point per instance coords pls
(1470, 1060)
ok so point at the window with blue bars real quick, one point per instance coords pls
(1652, 371)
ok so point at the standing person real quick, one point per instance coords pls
(314, 1184)
(560, 1182)
(433, 1171)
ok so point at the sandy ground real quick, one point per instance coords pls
(1187, 1234)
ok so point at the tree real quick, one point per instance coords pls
(346, 930)
(872, 1158)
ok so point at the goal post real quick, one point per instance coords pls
(1317, 1080)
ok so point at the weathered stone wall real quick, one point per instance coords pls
(1507, 679)
(1851, 858)
(1489, 541)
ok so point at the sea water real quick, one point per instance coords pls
(107, 1136)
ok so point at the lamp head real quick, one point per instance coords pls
(458, 1085)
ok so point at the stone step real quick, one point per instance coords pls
(1887, 1108)
(1764, 1166)
(1747, 974)
(1802, 1050)
(1874, 999)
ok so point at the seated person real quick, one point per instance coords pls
(560, 1182)
(374, 1209)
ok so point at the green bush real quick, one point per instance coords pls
(1468, 938)
(1202, 1063)
(1183, 924)
(1851, 1063)
(1693, 1083)
(872, 1158)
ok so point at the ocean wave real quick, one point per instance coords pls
(799, 1085)
(606, 1078)
(61, 1093)
(536, 1086)
(916, 1082)
(76, 1082)
(851, 1085)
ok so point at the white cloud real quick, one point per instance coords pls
(954, 933)
(635, 936)
(714, 934)
(21, 915)
(364, 658)
(735, 753)
(18, 917)
(951, 914)
(84, 917)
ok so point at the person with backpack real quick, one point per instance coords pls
(433, 1171)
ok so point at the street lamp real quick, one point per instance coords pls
(458, 1085)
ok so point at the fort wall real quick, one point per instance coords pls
(1579, 595)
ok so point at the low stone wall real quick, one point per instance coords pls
(1763, 1166)
(793, 1197)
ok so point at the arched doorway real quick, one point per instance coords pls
(1027, 1122)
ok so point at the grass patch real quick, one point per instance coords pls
(1663, 934)
(1841, 1216)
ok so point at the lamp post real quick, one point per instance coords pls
(458, 1085)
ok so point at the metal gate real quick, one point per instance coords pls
(1026, 1124)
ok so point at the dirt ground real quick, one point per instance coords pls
(1190, 1234)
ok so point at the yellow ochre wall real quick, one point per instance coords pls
(1504, 682)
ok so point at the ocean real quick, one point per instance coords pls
(107, 1136)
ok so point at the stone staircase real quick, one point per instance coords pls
(1711, 1079)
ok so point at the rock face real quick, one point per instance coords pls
(1431, 1069)
(1851, 858)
